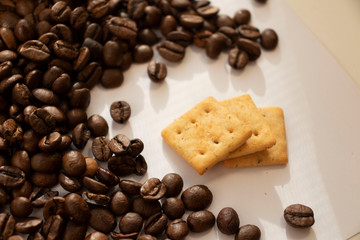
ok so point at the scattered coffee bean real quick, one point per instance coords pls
(299, 216)
(120, 111)
(21, 207)
(102, 219)
(248, 232)
(269, 39)
(228, 221)
(177, 229)
(201, 221)
(157, 71)
(153, 189)
(173, 183)
(173, 208)
(197, 197)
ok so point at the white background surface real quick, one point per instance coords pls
(320, 104)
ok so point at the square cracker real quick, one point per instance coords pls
(245, 109)
(206, 134)
(275, 155)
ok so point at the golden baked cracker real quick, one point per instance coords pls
(245, 109)
(275, 155)
(206, 134)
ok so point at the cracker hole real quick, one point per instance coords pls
(230, 130)
(216, 141)
(256, 133)
(201, 152)
(207, 110)
(178, 131)
(193, 121)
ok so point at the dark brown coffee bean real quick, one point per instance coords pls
(153, 189)
(46, 162)
(136, 8)
(96, 199)
(141, 165)
(157, 71)
(299, 216)
(122, 165)
(90, 75)
(73, 163)
(57, 113)
(62, 84)
(70, 184)
(82, 59)
(238, 58)
(248, 31)
(155, 224)
(146, 237)
(112, 78)
(152, 16)
(5, 69)
(91, 167)
(248, 232)
(97, 8)
(201, 221)
(120, 111)
(207, 11)
(11, 176)
(41, 121)
(250, 47)
(96, 48)
(12, 131)
(60, 12)
(168, 24)
(7, 225)
(76, 208)
(145, 208)
(39, 196)
(269, 39)
(142, 53)
(24, 7)
(96, 236)
(35, 51)
(93, 31)
(51, 75)
(23, 191)
(122, 28)
(120, 145)
(107, 177)
(147, 36)
(174, 184)
(50, 143)
(36, 236)
(224, 20)
(130, 187)
(177, 229)
(28, 225)
(8, 55)
(100, 149)
(53, 227)
(64, 33)
(180, 4)
(75, 116)
(131, 222)
(45, 96)
(95, 186)
(79, 98)
(8, 37)
(120, 203)
(24, 30)
(127, 61)
(182, 37)
(44, 180)
(173, 208)
(65, 50)
(8, 83)
(80, 135)
(102, 219)
(242, 16)
(171, 51)
(43, 27)
(78, 18)
(21, 160)
(74, 231)
(21, 207)
(191, 21)
(216, 43)
(112, 54)
(54, 206)
(228, 221)
(97, 125)
(201, 38)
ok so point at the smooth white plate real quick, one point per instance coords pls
(320, 103)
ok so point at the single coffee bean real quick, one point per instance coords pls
(45, 96)
(112, 78)
(120, 203)
(119, 145)
(155, 224)
(34, 50)
(250, 47)
(123, 28)
(173, 208)
(93, 31)
(21, 94)
(63, 32)
(95, 48)
(8, 83)
(65, 143)
(131, 222)
(16, 237)
(100, 149)
(228, 221)
(7, 225)
(171, 51)
(23, 191)
(242, 16)
(168, 24)
(153, 189)
(147, 36)
(299, 216)
(80, 98)
(191, 21)
(60, 12)
(141, 165)
(142, 53)
(238, 58)
(96, 199)
(78, 18)
(21, 160)
(157, 71)
(95, 186)
(12, 131)
(136, 8)
(177, 229)
(97, 125)
(96, 236)
(91, 167)
(28, 225)
(153, 16)
(50, 143)
(75, 116)
(174, 184)
(122, 165)
(102, 219)
(8, 55)
(8, 37)
(145, 208)
(224, 20)
(73, 163)
(54, 206)
(58, 114)
(80, 135)
(74, 231)
(97, 8)
(216, 43)
(53, 227)
(70, 184)
(82, 59)
(40, 196)
(5, 69)
(62, 84)
(120, 111)
(248, 31)
(248, 232)
(65, 50)
(11, 176)
(51, 75)
(269, 39)
(112, 54)
(90, 75)
(130, 187)
(201, 38)
(76, 208)
(146, 237)
(45, 180)
(21, 207)
(47, 38)
(197, 197)
(207, 11)
(201, 221)
(41, 121)
(184, 38)
(107, 177)
(46, 162)
(180, 4)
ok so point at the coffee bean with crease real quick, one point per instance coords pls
(97, 8)
(45, 96)
(90, 75)
(249, 32)
(96, 199)
(107, 177)
(39, 196)
(11, 176)
(7, 225)
(122, 28)
(95, 186)
(100, 149)
(5, 69)
(157, 71)
(130, 187)
(120, 145)
(50, 143)
(80, 135)
(12, 131)
(238, 58)
(82, 59)
(171, 51)
(60, 12)
(28, 225)
(21, 94)
(299, 216)
(153, 189)
(122, 165)
(136, 8)
(54, 206)
(65, 50)
(120, 111)
(34, 50)
(95, 47)
(63, 32)
(184, 38)
(41, 121)
(141, 165)
(70, 184)
(156, 224)
(78, 18)
(53, 227)
(250, 47)
(8, 83)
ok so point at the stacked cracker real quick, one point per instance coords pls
(234, 131)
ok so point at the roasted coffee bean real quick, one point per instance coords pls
(96, 48)
(112, 54)
(191, 21)
(100, 149)
(5, 69)
(7, 55)
(45, 180)
(102, 219)
(4, 145)
(45, 96)
(184, 38)
(120, 145)
(174, 184)
(36, 236)
(242, 16)
(131, 222)
(75, 116)
(168, 24)
(200, 221)
(112, 78)
(80, 135)
(248, 232)
(122, 165)
(93, 31)
(201, 38)
(123, 28)
(62, 84)
(28, 225)
(50, 143)
(24, 30)
(173, 208)
(269, 39)
(65, 50)
(152, 16)
(90, 75)
(21, 94)
(51, 75)
(76, 208)
(53, 227)
(8, 83)
(39, 196)
(216, 43)
(96, 199)
(54, 206)
(48, 38)
(224, 20)
(146, 237)
(8, 37)
(136, 8)
(73, 163)
(171, 51)
(299, 216)
(64, 33)
(70, 184)
(142, 53)
(155, 224)
(97, 125)
(120, 203)
(130, 187)
(34, 50)
(21, 160)
(7, 224)
(127, 61)
(80, 98)
(147, 36)
(21, 207)
(141, 165)
(228, 221)
(145, 208)
(157, 71)
(65, 143)
(120, 111)
(96, 236)
(82, 59)
(91, 167)
(97, 8)
(11, 176)
(250, 47)
(180, 4)
(23, 191)
(207, 11)
(74, 231)
(197, 197)
(153, 189)
(46, 162)
(248, 31)
(12, 131)
(107, 177)
(238, 58)
(41, 121)
(177, 229)
(60, 12)
(78, 18)
(95, 186)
